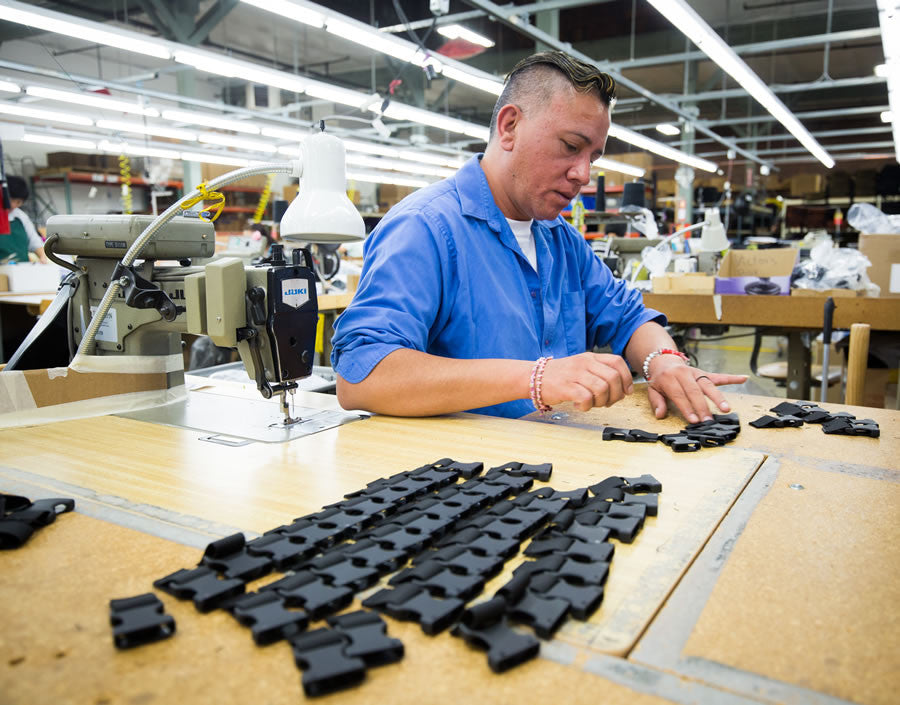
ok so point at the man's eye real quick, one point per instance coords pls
(570, 147)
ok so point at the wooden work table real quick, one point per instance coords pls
(746, 588)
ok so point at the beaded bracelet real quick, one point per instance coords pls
(657, 353)
(537, 379)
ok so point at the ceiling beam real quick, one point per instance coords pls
(802, 116)
(784, 88)
(520, 10)
(850, 35)
(512, 19)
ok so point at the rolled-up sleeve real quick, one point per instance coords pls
(399, 296)
(613, 311)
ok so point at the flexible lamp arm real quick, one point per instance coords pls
(294, 168)
(666, 241)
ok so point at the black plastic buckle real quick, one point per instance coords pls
(139, 620)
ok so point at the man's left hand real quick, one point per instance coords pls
(688, 388)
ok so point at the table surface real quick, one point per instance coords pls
(741, 590)
(882, 313)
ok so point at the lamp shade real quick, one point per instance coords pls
(712, 237)
(321, 212)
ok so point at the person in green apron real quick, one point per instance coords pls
(23, 237)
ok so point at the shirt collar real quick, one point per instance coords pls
(476, 199)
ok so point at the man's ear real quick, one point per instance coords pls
(508, 120)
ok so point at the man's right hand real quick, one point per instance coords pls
(587, 380)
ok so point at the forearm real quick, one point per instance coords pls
(412, 383)
(646, 339)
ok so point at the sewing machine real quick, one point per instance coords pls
(113, 304)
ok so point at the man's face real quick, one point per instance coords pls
(16, 202)
(554, 147)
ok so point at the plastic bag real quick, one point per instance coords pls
(834, 268)
(868, 219)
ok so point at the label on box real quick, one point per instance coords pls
(894, 285)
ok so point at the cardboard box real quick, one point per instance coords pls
(825, 293)
(806, 184)
(683, 283)
(883, 252)
(765, 272)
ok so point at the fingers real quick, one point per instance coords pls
(708, 387)
(587, 380)
(657, 403)
(689, 391)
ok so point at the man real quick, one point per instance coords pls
(23, 237)
(475, 294)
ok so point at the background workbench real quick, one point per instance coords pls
(741, 590)
(793, 316)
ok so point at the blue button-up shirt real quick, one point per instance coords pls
(444, 274)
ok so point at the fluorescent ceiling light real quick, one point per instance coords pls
(9, 87)
(138, 150)
(668, 128)
(142, 129)
(371, 148)
(89, 99)
(237, 142)
(291, 10)
(430, 158)
(84, 30)
(488, 85)
(881, 70)
(41, 114)
(639, 140)
(456, 31)
(289, 151)
(385, 178)
(695, 28)
(400, 111)
(397, 165)
(621, 167)
(336, 94)
(220, 65)
(59, 141)
(205, 158)
(373, 39)
(209, 120)
(285, 133)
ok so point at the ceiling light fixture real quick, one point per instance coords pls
(488, 85)
(139, 128)
(695, 28)
(456, 31)
(138, 150)
(40, 114)
(668, 128)
(59, 141)
(85, 30)
(620, 167)
(89, 99)
(209, 120)
(401, 111)
(385, 178)
(642, 142)
(10, 87)
(292, 10)
(887, 116)
(207, 158)
(236, 142)
(398, 165)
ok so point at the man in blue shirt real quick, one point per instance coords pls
(476, 295)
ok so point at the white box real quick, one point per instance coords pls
(29, 277)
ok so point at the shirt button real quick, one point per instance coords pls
(547, 342)
(533, 294)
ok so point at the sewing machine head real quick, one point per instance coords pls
(267, 311)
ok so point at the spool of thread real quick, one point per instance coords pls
(633, 194)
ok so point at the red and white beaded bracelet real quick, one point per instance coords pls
(537, 379)
(657, 353)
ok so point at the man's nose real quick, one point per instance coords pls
(581, 171)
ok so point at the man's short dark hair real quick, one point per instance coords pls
(531, 81)
(17, 187)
